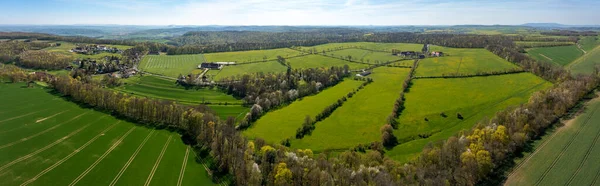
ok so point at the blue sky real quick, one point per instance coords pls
(299, 12)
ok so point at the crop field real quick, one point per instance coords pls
(225, 111)
(562, 55)
(365, 56)
(250, 56)
(156, 87)
(282, 123)
(233, 70)
(66, 46)
(46, 140)
(535, 44)
(172, 66)
(568, 156)
(474, 98)
(358, 121)
(463, 61)
(316, 61)
(589, 43)
(586, 64)
(367, 45)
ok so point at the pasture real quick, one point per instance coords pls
(358, 121)
(567, 156)
(474, 98)
(586, 64)
(536, 44)
(250, 56)
(317, 61)
(171, 66)
(282, 123)
(65, 48)
(46, 140)
(364, 56)
(562, 55)
(463, 61)
(234, 70)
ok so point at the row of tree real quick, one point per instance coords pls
(387, 136)
(476, 74)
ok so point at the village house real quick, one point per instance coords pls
(437, 54)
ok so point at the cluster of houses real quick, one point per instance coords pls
(95, 49)
(214, 65)
(417, 55)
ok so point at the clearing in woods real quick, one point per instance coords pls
(568, 156)
(83, 146)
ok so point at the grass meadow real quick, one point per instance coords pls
(46, 140)
(358, 121)
(586, 64)
(561, 55)
(250, 56)
(474, 98)
(567, 156)
(589, 43)
(171, 65)
(463, 61)
(317, 61)
(234, 70)
(365, 56)
(282, 123)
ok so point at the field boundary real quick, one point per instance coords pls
(479, 74)
(183, 165)
(69, 156)
(581, 58)
(116, 179)
(587, 153)
(117, 143)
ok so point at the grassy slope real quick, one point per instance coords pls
(359, 119)
(462, 61)
(55, 138)
(252, 55)
(172, 66)
(315, 61)
(282, 123)
(567, 147)
(589, 43)
(561, 55)
(587, 63)
(266, 67)
(364, 55)
(475, 98)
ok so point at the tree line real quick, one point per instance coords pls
(476, 74)
(387, 135)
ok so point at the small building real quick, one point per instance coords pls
(363, 74)
(225, 63)
(407, 53)
(437, 54)
(213, 66)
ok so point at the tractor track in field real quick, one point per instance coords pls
(116, 179)
(532, 154)
(596, 178)
(564, 149)
(42, 132)
(587, 153)
(183, 165)
(162, 153)
(46, 147)
(58, 163)
(117, 143)
(17, 117)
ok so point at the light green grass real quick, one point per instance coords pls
(567, 146)
(358, 121)
(156, 87)
(474, 98)
(562, 55)
(171, 65)
(282, 123)
(317, 61)
(225, 111)
(534, 44)
(365, 56)
(66, 46)
(463, 61)
(589, 43)
(234, 70)
(587, 63)
(251, 55)
(55, 146)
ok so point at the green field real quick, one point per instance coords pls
(568, 156)
(474, 98)
(535, 44)
(587, 63)
(225, 111)
(66, 46)
(589, 43)
(249, 56)
(46, 140)
(364, 56)
(562, 55)
(367, 45)
(463, 61)
(172, 66)
(229, 71)
(358, 121)
(282, 123)
(317, 61)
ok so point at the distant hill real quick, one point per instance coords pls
(556, 25)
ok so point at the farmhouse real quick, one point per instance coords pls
(407, 53)
(363, 74)
(437, 54)
(213, 66)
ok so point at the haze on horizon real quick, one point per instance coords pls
(299, 12)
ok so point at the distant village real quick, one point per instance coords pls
(95, 49)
